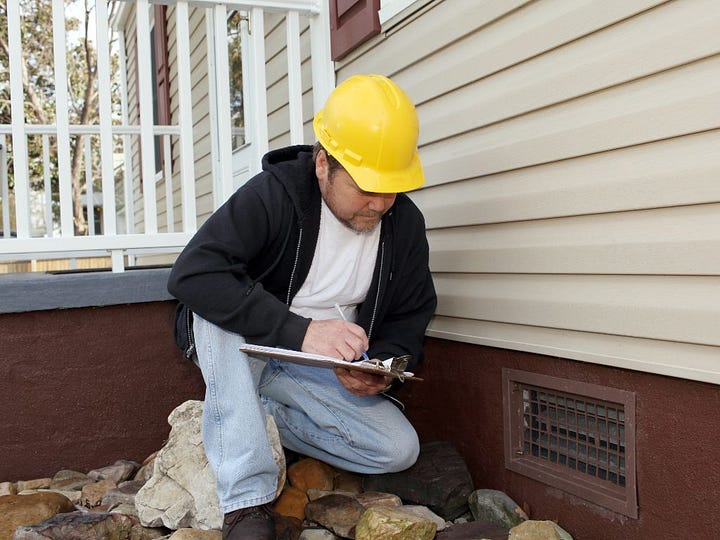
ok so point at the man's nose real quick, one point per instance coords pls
(380, 202)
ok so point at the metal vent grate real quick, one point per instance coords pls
(575, 436)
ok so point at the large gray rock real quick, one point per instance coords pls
(496, 507)
(181, 492)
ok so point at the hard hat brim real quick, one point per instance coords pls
(375, 181)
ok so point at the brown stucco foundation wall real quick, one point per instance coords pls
(84, 387)
(678, 455)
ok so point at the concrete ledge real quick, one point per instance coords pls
(41, 291)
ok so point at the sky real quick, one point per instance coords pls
(76, 8)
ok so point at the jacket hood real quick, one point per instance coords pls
(294, 168)
(287, 154)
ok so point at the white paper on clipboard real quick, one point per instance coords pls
(319, 360)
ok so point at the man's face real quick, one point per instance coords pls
(358, 210)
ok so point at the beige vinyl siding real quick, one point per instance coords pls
(276, 72)
(572, 155)
(130, 30)
(201, 115)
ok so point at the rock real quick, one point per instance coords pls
(287, 527)
(123, 494)
(310, 473)
(92, 494)
(439, 480)
(393, 524)
(39, 483)
(474, 530)
(313, 493)
(538, 530)
(8, 488)
(339, 513)
(66, 474)
(71, 484)
(74, 496)
(496, 507)
(425, 513)
(124, 508)
(88, 525)
(347, 482)
(291, 502)
(317, 534)
(17, 510)
(118, 472)
(195, 534)
(181, 492)
(145, 472)
(370, 499)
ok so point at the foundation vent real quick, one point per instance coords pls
(574, 436)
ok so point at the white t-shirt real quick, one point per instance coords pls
(341, 270)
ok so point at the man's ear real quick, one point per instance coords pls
(322, 166)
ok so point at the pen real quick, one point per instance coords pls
(340, 311)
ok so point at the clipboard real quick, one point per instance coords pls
(319, 360)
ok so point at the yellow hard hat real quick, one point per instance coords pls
(370, 126)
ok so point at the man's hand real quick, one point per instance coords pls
(336, 338)
(361, 383)
(345, 340)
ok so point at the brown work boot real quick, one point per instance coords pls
(253, 523)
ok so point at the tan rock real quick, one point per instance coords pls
(376, 498)
(38, 483)
(118, 472)
(535, 530)
(18, 510)
(71, 484)
(124, 508)
(338, 513)
(181, 492)
(377, 523)
(145, 472)
(74, 495)
(65, 474)
(195, 534)
(8, 488)
(425, 513)
(311, 473)
(291, 502)
(92, 494)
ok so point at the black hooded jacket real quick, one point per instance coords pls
(245, 264)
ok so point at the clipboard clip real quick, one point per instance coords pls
(395, 364)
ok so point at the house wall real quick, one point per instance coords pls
(678, 464)
(571, 155)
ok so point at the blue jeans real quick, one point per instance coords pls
(315, 415)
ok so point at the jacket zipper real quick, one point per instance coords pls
(377, 294)
(294, 268)
(191, 334)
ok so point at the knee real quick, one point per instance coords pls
(402, 452)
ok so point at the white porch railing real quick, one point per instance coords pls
(36, 232)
